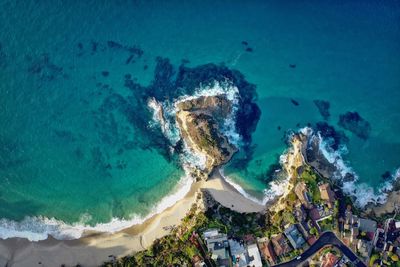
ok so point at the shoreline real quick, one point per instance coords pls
(94, 248)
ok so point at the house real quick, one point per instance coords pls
(294, 236)
(329, 260)
(379, 241)
(302, 193)
(254, 256)
(197, 261)
(299, 213)
(304, 229)
(327, 194)
(243, 256)
(280, 244)
(217, 245)
(267, 251)
(364, 247)
(367, 226)
(314, 214)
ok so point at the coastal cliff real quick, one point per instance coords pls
(200, 121)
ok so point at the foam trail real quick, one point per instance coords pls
(39, 228)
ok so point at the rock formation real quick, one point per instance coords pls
(200, 121)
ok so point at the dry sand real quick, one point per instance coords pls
(95, 248)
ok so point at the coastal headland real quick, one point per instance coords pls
(214, 121)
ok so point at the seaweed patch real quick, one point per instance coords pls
(44, 68)
(353, 122)
(323, 108)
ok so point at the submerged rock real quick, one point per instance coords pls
(294, 102)
(329, 133)
(353, 122)
(323, 108)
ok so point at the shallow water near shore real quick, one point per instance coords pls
(67, 152)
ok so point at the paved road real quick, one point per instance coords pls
(327, 238)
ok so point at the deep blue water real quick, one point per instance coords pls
(66, 150)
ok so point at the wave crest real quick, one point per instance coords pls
(39, 228)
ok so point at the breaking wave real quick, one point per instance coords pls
(164, 114)
(39, 228)
(364, 194)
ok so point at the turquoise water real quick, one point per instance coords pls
(66, 152)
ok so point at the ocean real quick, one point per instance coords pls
(78, 146)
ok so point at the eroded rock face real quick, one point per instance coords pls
(200, 121)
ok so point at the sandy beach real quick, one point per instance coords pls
(95, 248)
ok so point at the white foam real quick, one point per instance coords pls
(240, 189)
(231, 92)
(161, 115)
(363, 193)
(39, 228)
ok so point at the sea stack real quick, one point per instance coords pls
(200, 121)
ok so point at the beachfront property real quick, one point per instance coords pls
(231, 252)
(244, 255)
(217, 245)
(327, 194)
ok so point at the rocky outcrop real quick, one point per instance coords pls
(200, 121)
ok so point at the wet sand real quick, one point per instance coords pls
(95, 248)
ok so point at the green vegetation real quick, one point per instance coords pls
(314, 231)
(178, 248)
(311, 179)
(373, 258)
(327, 224)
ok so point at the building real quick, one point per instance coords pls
(243, 256)
(379, 241)
(217, 245)
(198, 262)
(367, 226)
(299, 213)
(364, 247)
(267, 251)
(280, 244)
(254, 256)
(327, 194)
(302, 193)
(294, 236)
(329, 260)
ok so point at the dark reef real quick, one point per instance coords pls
(169, 83)
(292, 66)
(44, 68)
(294, 102)
(353, 122)
(271, 172)
(386, 175)
(249, 49)
(323, 108)
(328, 132)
